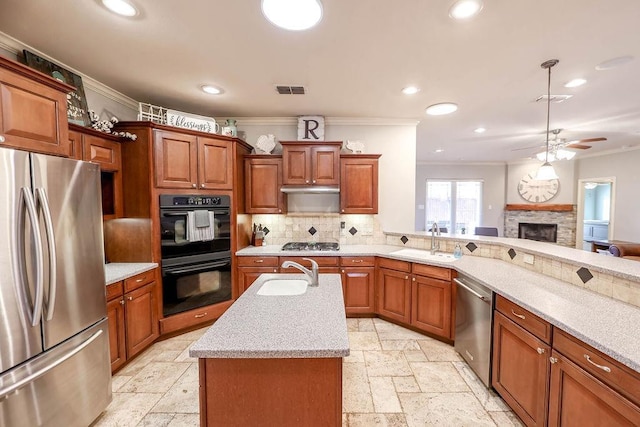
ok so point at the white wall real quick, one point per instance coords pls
(566, 174)
(395, 142)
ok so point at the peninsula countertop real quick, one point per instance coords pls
(311, 325)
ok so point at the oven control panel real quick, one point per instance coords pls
(187, 200)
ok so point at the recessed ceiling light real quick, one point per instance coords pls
(479, 130)
(613, 63)
(575, 83)
(121, 7)
(294, 15)
(410, 90)
(441, 109)
(439, 150)
(464, 9)
(211, 90)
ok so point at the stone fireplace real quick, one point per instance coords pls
(539, 232)
(546, 216)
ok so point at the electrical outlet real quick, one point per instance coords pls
(342, 225)
(527, 259)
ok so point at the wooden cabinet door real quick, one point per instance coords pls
(141, 318)
(75, 145)
(248, 275)
(296, 164)
(33, 116)
(577, 398)
(521, 370)
(358, 289)
(176, 160)
(117, 346)
(325, 165)
(431, 305)
(215, 164)
(263, 179)
(359, 185)
(102, 151)
(394, 295)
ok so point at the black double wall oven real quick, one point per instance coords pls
(196, 251)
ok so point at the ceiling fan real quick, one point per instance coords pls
(560, 143)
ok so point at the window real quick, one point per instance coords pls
(454, 205)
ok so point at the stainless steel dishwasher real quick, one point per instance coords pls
(474, 314)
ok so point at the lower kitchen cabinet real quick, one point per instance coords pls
(394, 294)
(250, 268)
(358, 284)
(115, 314)
(431, 305)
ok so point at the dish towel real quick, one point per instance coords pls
(200, 234)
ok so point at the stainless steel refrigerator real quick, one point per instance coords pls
(54, 344)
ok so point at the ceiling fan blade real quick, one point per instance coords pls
(528, 148)
(579, 141)
(578, 146)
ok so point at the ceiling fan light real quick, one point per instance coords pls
(564, 155)
(546, 172)
(294, 15)
(542, 156)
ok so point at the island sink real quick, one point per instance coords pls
(281, 287)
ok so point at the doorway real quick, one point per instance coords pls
(596, 207)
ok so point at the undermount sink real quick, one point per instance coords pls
(283, 287)
(425, 255)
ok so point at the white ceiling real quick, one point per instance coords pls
(355, 63)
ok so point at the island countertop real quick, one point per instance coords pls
(311, 325)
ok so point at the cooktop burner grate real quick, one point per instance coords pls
(311, 246)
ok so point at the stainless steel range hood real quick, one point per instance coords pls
(315, 189)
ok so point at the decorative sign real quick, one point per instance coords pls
(310, 128)
(192, 121)
(77, 109)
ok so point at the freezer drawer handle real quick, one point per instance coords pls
(31, 378)
(28, 202)
(41, 197)
(483, 298)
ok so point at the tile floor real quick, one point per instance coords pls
(393, 377)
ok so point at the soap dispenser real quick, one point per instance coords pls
(457, 251)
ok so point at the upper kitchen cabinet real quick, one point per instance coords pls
(263, 179)
(359, 183)
(188, 161)
(311, 164)
(33, 110)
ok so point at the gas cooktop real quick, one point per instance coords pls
(311, 246)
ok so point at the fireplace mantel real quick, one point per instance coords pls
(540, 207)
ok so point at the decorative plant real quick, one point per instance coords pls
(106, 126)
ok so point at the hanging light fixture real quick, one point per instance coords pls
(546, 171)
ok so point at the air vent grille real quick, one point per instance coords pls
(290, 90)
(554, 98)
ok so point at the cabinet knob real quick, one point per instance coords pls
(201, 185)
(1, 138)
(406, 277)
(342, 210)
(130, 298)
(279, 210)
(275, 270)
(193, 185)
(314, 181)
(121, 302)
(307, 181)
(342, 271)
(540, 350)
(553, 359)
(414, 279)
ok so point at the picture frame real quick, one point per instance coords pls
(77, 108)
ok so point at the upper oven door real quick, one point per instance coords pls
(173, 234)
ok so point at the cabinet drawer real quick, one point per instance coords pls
(394, 264)
(358, 261)
(138, 280)
(114, 290)
(102, 151)
(251, 261)
(617, 376)
(323, 261)
(431, 271)
(529, 321)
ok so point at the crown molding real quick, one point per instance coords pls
(16, 47)
(329, 121)
(460, 163)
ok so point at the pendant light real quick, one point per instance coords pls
(546, 171)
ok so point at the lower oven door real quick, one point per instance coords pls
(186, 287)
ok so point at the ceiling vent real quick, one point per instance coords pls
(554, 98)
(290, 90)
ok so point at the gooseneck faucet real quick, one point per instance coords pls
(435, 245)
(312, 274)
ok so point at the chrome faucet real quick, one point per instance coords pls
(435, 245)
(312, 274)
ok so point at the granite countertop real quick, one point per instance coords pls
(609, 325)
(117, 271)
(311, 325)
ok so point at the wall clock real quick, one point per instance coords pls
(533, 190)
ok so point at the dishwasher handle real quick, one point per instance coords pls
(482, 297)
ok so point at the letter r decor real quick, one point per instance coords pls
(310, 128)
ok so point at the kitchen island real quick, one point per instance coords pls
(275, 359)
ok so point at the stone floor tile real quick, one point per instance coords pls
(386, 364)
(437, 351)
(117, 381)
(366, 325)
(156, 377)
(185, 420)
(156, 420)
(345, 420)
(127, 409)
(184, 356)
(378, 420)
(399, 345)
(183, 396)
(488, 398)
(140, 361)
(414, 355)
(406, 385)
(352, 325)
(437, 377)
(194, 335)
(506, 419)
(356, 394)
(444, 409)
(355, 356)
(384, 395)
(364, 341)
(175, 344)
(389, 331)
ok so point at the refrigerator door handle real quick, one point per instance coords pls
(41, 198)
(28, 202)
(31, 378)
